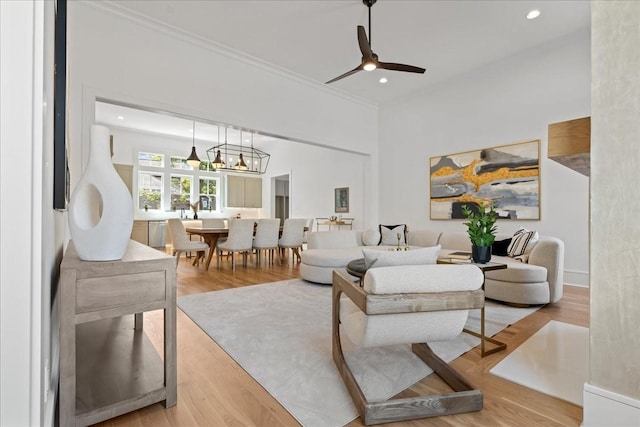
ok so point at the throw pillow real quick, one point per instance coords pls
(522, 242)
(370, 237)
(374, 258)
(500, 247)
(389, 234)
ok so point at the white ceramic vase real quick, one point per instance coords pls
(101, 207)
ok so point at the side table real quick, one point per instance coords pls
(108, 366)
(499, 345)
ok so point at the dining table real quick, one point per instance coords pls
(210, 235)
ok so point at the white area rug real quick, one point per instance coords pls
(554, 361)
(280, 333)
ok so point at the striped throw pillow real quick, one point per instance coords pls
(522, 242)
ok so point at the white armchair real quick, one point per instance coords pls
(408, 304)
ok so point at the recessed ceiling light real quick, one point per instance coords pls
(120, 118)
(533, 14)
(383, 80)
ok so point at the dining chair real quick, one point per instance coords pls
(213, 223)
(240, 240)
(266, 238)
(292, 235)
(181, 243)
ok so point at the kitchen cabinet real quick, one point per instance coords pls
(140, 231)
(244, 192)
(126, 173)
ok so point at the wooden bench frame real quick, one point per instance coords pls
(464, 398)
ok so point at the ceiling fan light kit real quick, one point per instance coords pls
(370, 60)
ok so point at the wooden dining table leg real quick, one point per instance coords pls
(212, 241)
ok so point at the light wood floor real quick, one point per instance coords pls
(214, 391)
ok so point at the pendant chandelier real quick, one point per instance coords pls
(193, 160)
(241, 165)
(248, 159)
(218, 163)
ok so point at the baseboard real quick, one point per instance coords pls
(606, 408)
(577, 278)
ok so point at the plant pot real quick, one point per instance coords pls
(481, 254)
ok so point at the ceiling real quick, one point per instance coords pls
(317, 39)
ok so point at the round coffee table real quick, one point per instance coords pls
(357, 268)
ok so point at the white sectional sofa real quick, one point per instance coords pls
(538, 281)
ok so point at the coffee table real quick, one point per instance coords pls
(357, 268)
(499, 345)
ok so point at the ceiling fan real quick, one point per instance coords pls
(369, 58)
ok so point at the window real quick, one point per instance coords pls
(151, 159)
(208, 194)
(182, 187)
(179, 163)
(180, 192)
(149, 191)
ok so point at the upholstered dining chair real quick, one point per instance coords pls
(240, 240)
(266, 238)
(292, 234)
(181, 243)
(415, 305)
(213, 223)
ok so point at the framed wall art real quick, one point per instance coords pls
(507, 176)
(341, 196)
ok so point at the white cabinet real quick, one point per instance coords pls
(244, 192)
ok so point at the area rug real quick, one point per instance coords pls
(280, 333)
(554, 361)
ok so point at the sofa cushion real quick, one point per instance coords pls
(334, 239)
(370, 237)
(331, 258)
(376, 258)
(389, 234)
(423, 238)
(500, 247)
(455, 240)
(522, 242)
(517, 271)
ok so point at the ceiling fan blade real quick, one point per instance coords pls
(365, 48)
(347, 74)
(400, 67)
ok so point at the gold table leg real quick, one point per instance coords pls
(499, 345)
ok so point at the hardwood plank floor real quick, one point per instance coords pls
(215, 391)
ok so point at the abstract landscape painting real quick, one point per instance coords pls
(507, 176)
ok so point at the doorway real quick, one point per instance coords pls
(280, 191)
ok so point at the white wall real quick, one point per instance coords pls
(612, 395)
(508, 101)
(315, 173)
(114, 57)
(31, 231)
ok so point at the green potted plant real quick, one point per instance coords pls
(481, 229)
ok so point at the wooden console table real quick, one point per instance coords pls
(108, 366)
(339, 223)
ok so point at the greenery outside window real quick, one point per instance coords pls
(151, 159)
(208, 194)
(180, 192)
(179, 163)
(149, 191)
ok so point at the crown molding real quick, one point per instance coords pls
(118, 9)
